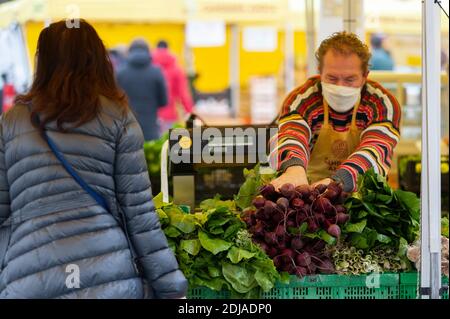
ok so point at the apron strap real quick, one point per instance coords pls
(326, 113)
(355, 111)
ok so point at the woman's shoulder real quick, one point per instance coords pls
(120, 115)
(18, 115)
(15, 122)
(112, 108)
(18, 110)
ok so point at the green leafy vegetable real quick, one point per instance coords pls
(380, 216)
(254, 179)
(240, 278)
(356, 227)
(214, 245)
(237, 254)
(264, 280)
(192, 246)
(214, 249)
(217, 204)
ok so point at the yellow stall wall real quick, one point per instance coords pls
(212, 64)
(261, 63)
(114, 34)
(32, 30)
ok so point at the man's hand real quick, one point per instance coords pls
(295, 175)
(324, 181)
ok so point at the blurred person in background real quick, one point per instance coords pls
(177, 84)
(118, 56)
(145, 87)
(381, 58)
(8, 94)
(48, 219)
(2, 83)
(444, 61)
(338, 124)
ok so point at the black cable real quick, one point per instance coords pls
(439, 4)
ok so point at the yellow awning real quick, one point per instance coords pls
(390, 16)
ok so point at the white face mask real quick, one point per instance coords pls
(340, 98)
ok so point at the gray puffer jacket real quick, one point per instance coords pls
(59, 232)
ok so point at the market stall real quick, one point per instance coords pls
(317, 242)
(250, 240)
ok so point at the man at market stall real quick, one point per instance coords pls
(339, 123)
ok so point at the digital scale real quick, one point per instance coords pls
(205, 161)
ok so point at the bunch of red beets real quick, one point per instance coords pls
(285, 221)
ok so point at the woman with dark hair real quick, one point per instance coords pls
(76, 213)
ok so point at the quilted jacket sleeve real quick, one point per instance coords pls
(134, 195)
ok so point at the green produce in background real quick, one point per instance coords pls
(381, 216)
(410, 168)
(444, 227)
(214, 249)
(152, 150)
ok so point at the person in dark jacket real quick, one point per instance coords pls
(145, 87)
(60, 243)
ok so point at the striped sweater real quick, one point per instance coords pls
(302, 116)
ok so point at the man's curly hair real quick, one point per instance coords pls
(345, 43)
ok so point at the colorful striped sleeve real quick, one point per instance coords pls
(290, 147)
(378, 139)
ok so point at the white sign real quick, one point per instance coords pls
(260, 39)
(213, 107)
(330, 18)
(14, 58)
(333, 13)
(205, 33)
(263, 92)
(296, 5)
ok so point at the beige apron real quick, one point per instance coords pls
(332, 147)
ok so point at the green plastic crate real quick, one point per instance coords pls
(408, 285)
(206, 293)
(382, 286)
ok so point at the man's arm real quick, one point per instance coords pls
(378, 140)
(375, 150)
(291, 145)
